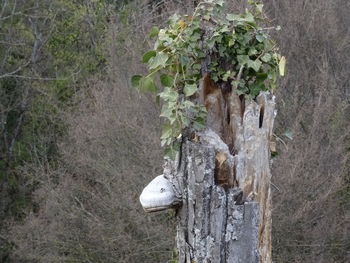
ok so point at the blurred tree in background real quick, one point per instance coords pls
(77, 144)
(47, 48)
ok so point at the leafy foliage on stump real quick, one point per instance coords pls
(234, 49)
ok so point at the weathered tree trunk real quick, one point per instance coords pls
(222, 176)
(220, 181)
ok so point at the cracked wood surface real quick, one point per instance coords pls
(223, 179)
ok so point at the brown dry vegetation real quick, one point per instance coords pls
(88, 209)
(311, 215)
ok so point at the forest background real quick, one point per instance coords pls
(78, 144)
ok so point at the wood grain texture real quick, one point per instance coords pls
(229, 221)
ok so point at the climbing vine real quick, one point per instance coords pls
(233, 49)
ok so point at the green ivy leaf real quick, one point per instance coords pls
(224, 29)
(187, 104)
(202, 111)
(159, 60)
(226, 75)
(261, 77)
(254, 90)
(268, 44)
(165, 142)
(259, 8)
(199, 124)
(266, 58)
(241, 18)
(190, 89)
(235, 83)
(169, 94)
(231, 42)
(166, 80)
(240, 92)
(172, 151)
(249, 18)
(242, 59)
(220, 3)
(197, 66)
(148, 55)
(154, 32)
(148, 85)
(195, 37)
(167, 131)
(135, 81)
(168, 112)
(185, 121)
(252, 52)
(260, 38)
(254, 64)
(184, 60)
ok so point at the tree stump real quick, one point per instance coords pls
(226, 198)
(224, 187)
(220, 179)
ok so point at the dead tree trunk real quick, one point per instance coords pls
(223, 177)
(220, 181)
(220, 184)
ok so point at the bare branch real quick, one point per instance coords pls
(37, 42)
(13, 43)
(13, 73)
(13, 13)
(3, 8)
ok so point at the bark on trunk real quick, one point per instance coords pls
(222, 176)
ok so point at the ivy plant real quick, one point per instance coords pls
(241, 53)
